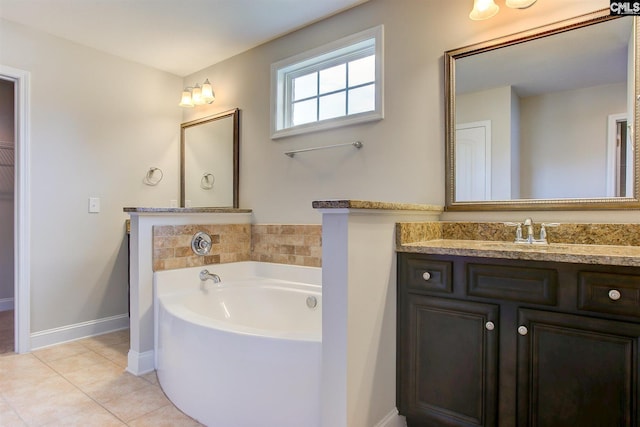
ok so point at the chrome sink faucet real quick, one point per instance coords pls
(530, 239)
(528, 222)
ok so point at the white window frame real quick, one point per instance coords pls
(347, 49)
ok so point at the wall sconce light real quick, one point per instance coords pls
(197, 95)
(485, 9)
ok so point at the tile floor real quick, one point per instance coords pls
(82, 383)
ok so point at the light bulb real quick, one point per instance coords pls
(186, 100)
(196, 95)
(520, 4)
(483, 9)
(207, 92)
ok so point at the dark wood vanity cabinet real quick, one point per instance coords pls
(449, 366)
(576, 370)
(492, 342)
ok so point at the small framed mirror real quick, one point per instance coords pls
(546, 118)
(209, 161)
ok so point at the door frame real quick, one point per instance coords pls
(612, 145)
(22, 207)
(486, 124)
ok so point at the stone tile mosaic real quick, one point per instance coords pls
(172, 245)
(278, 243)
(287, 244)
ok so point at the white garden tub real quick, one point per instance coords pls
(245, 352)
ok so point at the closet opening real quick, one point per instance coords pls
(7, 210)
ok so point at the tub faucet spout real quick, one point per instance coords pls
(205, 275)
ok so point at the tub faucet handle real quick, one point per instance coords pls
(201, 243)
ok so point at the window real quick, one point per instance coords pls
(334, 85)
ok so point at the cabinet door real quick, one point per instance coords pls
(576, 371)
(447, 372)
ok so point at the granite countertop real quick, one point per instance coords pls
(185, 210)
(606, 244)
(557, 252)
(363, 204)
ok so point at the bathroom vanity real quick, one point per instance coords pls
(494, 333)
(499, 334)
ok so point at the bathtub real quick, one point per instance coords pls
(245, 352)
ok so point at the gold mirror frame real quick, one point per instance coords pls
(450, 57)
(235, 116)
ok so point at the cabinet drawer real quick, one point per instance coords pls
(429, 275)
(609, 293)
(514, 283)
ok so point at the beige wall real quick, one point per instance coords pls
(97, 123)
(403, 155)
(547, 119)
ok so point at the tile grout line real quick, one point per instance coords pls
(49, 360)
(61, 375)
(101, 404)
(14, 410)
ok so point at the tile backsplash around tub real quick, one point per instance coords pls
(278, 243)
(287, 244)
(172, 245)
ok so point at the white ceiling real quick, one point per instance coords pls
(178, 36)
(592, 56)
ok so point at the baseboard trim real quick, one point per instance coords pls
(6, 304)
(140, 363)
(393, 419)
(78, 331)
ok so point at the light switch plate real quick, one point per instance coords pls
(94, 204)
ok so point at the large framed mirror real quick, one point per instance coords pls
(545, 119)
(209, 161)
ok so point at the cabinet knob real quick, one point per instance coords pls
(522, 330)
(614, 295)
(426, 275)
(490, 326)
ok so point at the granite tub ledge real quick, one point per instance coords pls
(183, 210)
(555, 252)
(373, 205)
